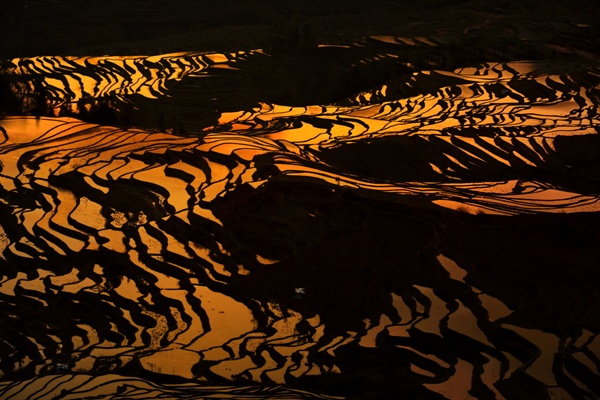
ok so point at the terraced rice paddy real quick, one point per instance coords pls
(366, 216)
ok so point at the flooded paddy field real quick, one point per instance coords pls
(333, 201)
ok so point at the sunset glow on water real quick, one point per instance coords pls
(327, 216)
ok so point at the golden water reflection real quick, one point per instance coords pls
(147, 206)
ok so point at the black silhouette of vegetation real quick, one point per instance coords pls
(23, 97)
(99, 110)
(8, 99)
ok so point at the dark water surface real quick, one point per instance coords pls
(383, 212)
